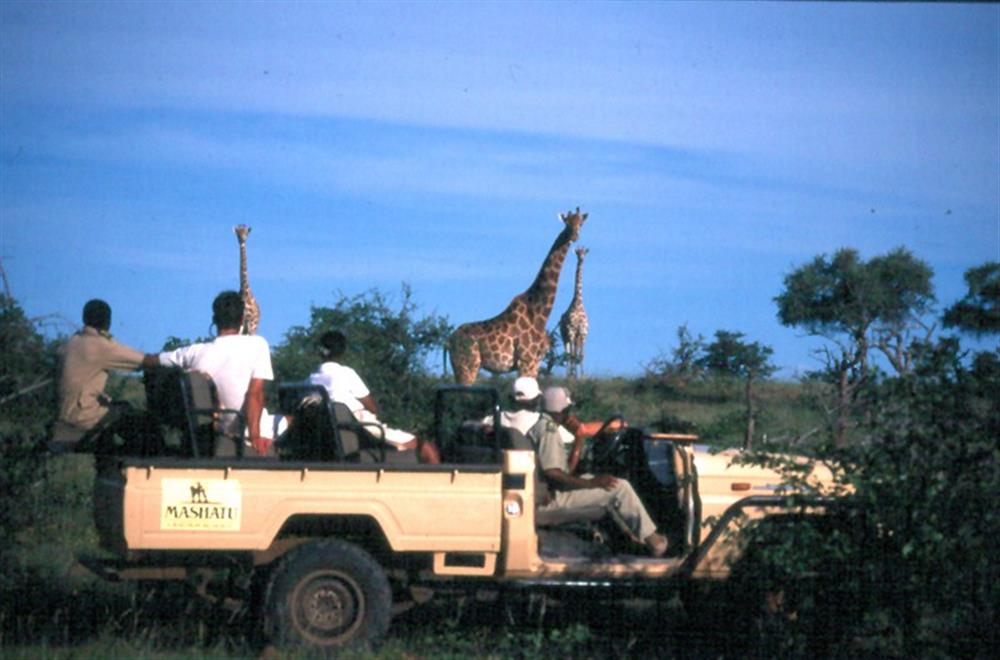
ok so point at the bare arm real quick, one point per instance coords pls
(369, 403)
(253, 404)
(574, 453)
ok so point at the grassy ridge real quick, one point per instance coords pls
(53, 608)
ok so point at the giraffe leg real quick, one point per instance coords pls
(465, 359)
(528, 360)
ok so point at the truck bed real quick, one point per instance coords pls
(234, 505)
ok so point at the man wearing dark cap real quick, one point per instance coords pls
(238, 364)
(586, 491)
(85, 361)
(345, 386)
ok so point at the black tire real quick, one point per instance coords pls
(326, 596)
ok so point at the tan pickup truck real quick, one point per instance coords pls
(335, 533)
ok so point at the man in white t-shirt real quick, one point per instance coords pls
(238, 365)
(524, 413)
(345, 386)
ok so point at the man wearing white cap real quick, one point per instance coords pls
(524, 412)
(586, 491)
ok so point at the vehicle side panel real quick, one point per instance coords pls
(227, 508)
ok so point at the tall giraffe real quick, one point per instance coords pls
(516, 338)
(251, 312)
(573, 325)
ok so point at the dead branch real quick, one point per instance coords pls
(27, 390)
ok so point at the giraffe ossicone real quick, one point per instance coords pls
(516, 338)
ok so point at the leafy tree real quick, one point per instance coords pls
(27, 368)
(978, 312)
(858, 306)
(909, 568)
(556, 356)
(388, 347)
(730, 356)
(682, 365)
(27, 406)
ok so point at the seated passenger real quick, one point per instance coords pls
(345, 386)
(85, 412)
(238, 365)
(524, 413)
(571, 492)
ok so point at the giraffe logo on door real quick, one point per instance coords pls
(201, 504)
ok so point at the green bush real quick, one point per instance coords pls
(387, 346)
(921, 514)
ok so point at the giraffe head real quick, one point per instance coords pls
(581, 252)
(574, 220)
(241, 231)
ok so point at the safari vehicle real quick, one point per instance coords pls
(335, 531)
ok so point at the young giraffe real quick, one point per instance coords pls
(573, 325)
(516, 338)
(251, 312)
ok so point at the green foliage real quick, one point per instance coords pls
(859, 306)
(556, 356)
(730, 355)
(681, 366)
(847, 295)
(979, 311)
(27, 405)
(174, 342)
(387, 346)
(27, 373)
(923, 511)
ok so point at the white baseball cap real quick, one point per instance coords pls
(556, 399)
(526, 389)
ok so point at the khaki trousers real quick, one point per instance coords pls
(622, 497)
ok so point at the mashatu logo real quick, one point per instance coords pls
(201, 504)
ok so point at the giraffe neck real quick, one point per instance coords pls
(244, 281)
(542, 292)
(578, 289)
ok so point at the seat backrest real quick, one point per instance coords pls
(312, 435)
(365, 442)
(511, 438)
(188, 402)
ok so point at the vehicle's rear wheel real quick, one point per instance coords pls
(328, 595)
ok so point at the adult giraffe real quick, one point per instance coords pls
(573, 325)
(515, 338)
(251, 312)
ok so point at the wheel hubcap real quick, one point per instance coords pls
(328, 607)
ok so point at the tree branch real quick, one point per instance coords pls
(27, 390)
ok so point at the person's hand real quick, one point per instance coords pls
(260, 444)
(605, 481)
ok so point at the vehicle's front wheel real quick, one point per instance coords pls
(328, 595)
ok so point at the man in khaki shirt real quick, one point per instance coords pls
(85, 361)
(574, 493)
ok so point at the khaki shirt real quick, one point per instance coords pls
(547, 439)
(86, 359)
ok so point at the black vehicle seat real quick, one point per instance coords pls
(366, 440)
(325, 430)
(188, 401)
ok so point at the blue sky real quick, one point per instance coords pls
(716, 148)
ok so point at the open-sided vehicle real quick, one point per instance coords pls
(334, 533)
